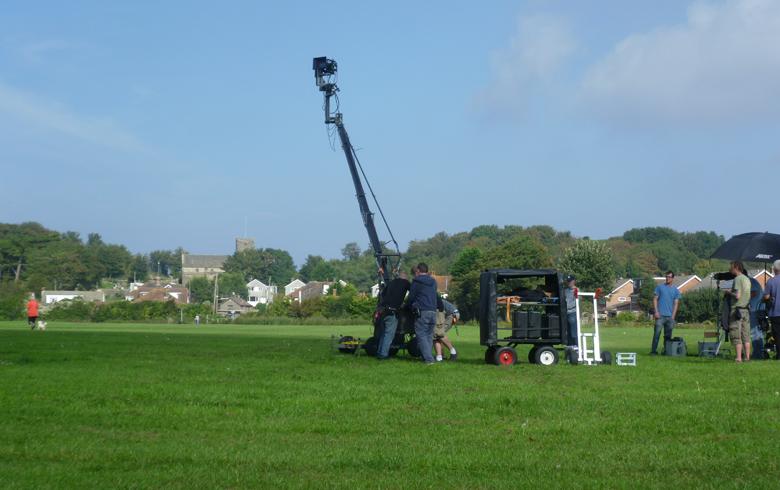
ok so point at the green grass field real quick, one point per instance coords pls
(135, 406)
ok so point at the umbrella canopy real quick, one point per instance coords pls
(750, 247)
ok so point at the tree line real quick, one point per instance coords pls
(34, 258)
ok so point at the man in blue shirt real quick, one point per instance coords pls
(772, 299)
(666, 300)
(422, 301)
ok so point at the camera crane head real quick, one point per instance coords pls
(325, 75)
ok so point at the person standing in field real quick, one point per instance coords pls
(666, 300)
(756, 334)
(32, 311)
(739, 316)
(771, 293)
(571, 309)
(392, 299)
(446, 315)
(422, 302)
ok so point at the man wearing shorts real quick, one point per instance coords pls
(32, 312)
(739, 316)
(446, 315)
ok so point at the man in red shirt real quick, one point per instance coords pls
(32, 312)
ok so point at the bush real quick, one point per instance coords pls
(699, 306)
(12, 304)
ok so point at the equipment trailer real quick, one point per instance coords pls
(533, 305)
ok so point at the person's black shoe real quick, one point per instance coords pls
(653, 353)
(453, 357)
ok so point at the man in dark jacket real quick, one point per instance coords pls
(422, 301)
(392, 299)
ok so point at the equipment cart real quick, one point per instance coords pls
(522, 307)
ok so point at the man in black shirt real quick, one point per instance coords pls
(390, 303)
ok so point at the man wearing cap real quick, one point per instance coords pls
(773, 305)
(666, 300)
(571, 309)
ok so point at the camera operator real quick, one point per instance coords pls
(773, 305)
(739, 316)
(422, 300)
(392, 299)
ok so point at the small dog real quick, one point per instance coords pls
(41, 325)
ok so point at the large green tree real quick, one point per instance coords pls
(272, 266)
(591, 262)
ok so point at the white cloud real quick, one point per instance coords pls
(535, 53)
(722, 65)
(19, 106)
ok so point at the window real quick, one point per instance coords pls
(622, 299)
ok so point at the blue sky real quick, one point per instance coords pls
(165, 124)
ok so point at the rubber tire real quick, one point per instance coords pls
(546, 356)
(532, 354)
(412, 348)
(606, 357)
(350, 349)
(490, 355)
(371, 346)
(505, 356)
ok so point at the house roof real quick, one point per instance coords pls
(255, 283)
(237, 300)
(620, 283)
(203, 261)
(295, 282)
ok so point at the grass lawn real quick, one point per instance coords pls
(105, 406)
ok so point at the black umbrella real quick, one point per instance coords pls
(750, 247)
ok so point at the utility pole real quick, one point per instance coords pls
(216, 293)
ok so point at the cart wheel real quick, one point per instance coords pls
(371, 346)
(505, 356)
(412, 348)
(348, 345)
(532, 354)
(546, 355)
(606, 357)
(490, 355)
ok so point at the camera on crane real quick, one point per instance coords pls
(324, 68)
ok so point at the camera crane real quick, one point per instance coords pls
(388, 263)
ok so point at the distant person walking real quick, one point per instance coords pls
(422, 302)
(739, 316)
(666, 300)
(446, 316)
(32, 311)
(389, 305)
(571, 309)
(772, 300)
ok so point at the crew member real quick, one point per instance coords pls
(422, 301)
(571, 309)
(666, 300)
(446, 315)
(32, 312)
(771, 293)
(391, 301)
(739, 316)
